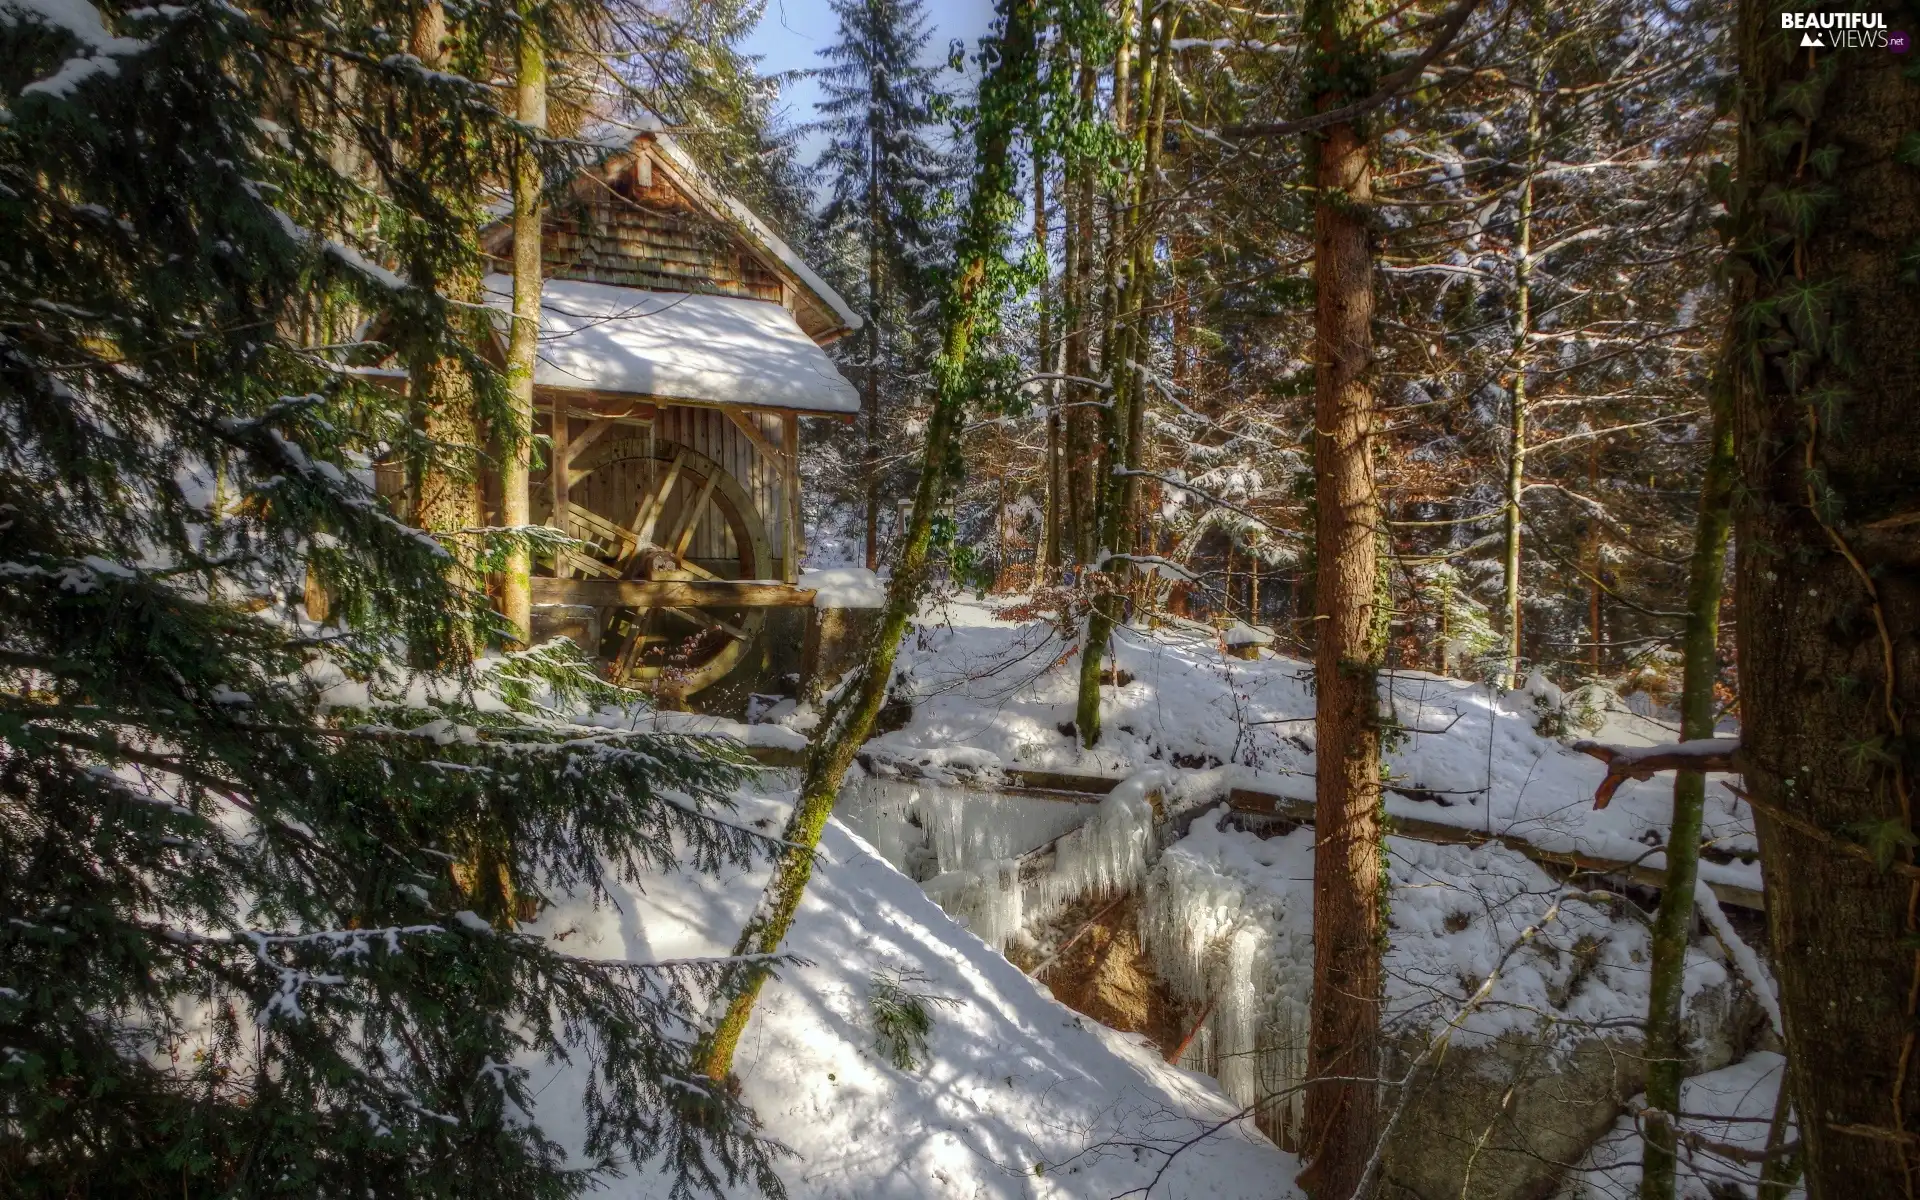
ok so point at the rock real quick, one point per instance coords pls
(835, 639)
(1504, 1119)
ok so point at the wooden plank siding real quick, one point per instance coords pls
(647, 233)
(613, 492)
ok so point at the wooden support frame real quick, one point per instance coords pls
(690, 520)
(743, 421)
(580, 445)
(673, 593)
(651, 507)
(785, 459)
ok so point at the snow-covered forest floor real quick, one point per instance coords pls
(991, 693)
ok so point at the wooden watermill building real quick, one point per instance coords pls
(680, 349)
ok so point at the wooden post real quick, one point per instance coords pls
(558, 479)
(790, 445)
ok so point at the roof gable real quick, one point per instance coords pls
(647, 217)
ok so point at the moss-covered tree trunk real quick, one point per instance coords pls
(530, 98)
(1047, 565)
(1124, 418)
(1343, 1050)
(1006, 93)
(1081, 423)
(1666, 1046)
(876, 290)
(1825, 216)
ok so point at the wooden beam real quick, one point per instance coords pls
(596, 523)
(744, 422)
(578, 446)
(641, 530)
(588, 566)
(690, 520)
(1302, 812)
(707, 620)
(637, 593)
(640, 407)
(630, 407)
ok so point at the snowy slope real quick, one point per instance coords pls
(1021, 1098)
(993, 693)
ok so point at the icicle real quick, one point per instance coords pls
(985, 899)
(1108, 854)
(1214, 939)
(927, 829)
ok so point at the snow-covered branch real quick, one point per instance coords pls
(1641, 762)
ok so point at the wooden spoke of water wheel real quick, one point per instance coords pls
(639, 501)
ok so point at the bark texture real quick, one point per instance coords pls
(446, 488)
(1349, 873)
(1825, 204)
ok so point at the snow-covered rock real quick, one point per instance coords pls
(1729, 1107)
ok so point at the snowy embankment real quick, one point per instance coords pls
(1522, 975)
(1017, 1097)
(990, 694)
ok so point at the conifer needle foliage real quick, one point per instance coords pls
(259, 879)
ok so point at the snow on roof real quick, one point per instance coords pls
(678, 346)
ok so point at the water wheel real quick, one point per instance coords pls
(639, 502)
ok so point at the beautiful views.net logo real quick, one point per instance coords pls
(1839, 30)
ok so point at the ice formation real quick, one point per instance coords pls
(928, 829)
(977, 852)
(1245, 953)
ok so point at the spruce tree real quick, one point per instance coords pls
(885, 175)
(259, 880)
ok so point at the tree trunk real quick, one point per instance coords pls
(1349, 865)
(530, 97)
(1082, 420)
(1666, 1044)
(1004, 95)
(1517, 416)
(1828, 577)
(446, 486)
(1048, 567)
(1119, 490)
(1594, 563)
(875, 270)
